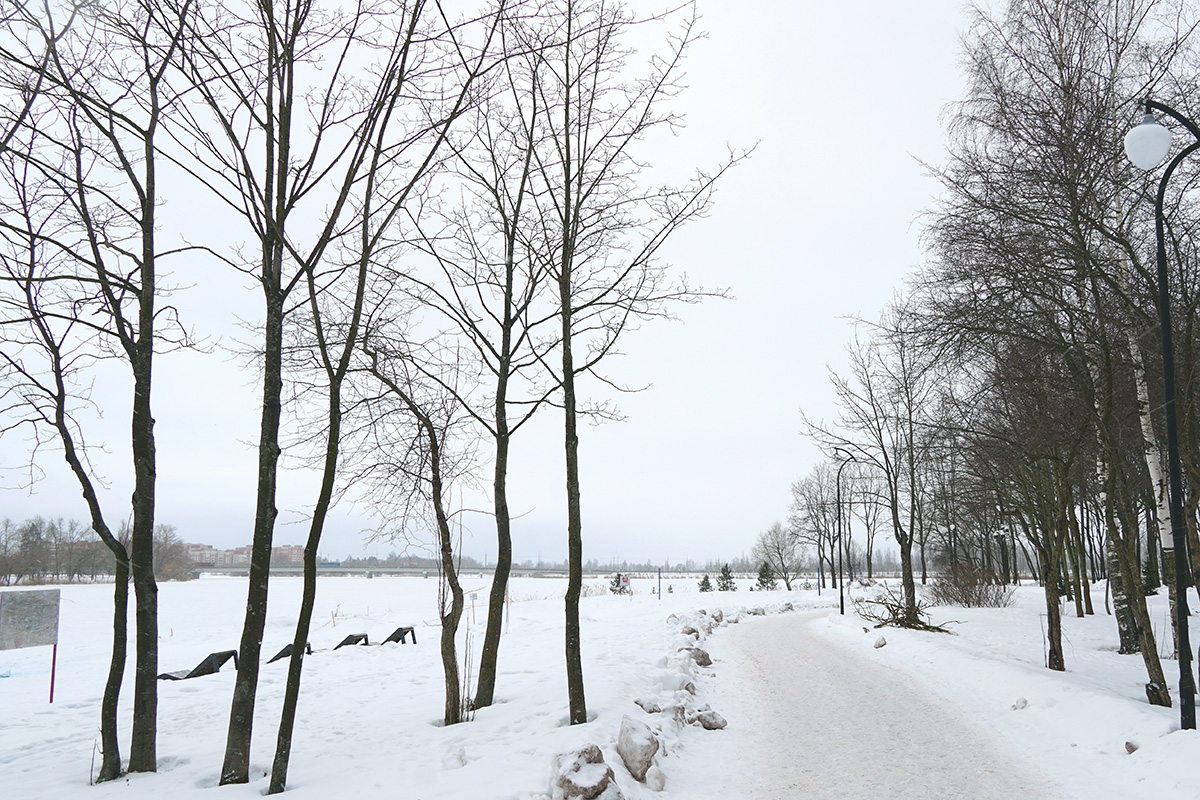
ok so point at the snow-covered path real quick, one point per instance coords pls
(808, 717)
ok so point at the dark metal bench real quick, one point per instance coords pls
(287, 651)
(354, 638)
(400, 635)
(208, 666)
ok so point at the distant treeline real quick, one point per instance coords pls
(41, 550)
(885, 561)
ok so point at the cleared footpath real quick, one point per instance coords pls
(810, 718)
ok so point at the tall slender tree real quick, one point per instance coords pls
(601, 229)
(83, 154)
(293, 99)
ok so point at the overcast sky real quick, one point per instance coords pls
(820, 225)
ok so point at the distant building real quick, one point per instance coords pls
(288, 555)
(205, 555)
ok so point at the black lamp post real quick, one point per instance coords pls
(1146, 146)
(841, 595)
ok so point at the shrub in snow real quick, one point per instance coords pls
(970, 587)
(889, 608)
(636, 745)
(705, 586)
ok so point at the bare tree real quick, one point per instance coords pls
(294, 101)
(871, 495)
(381, 181)
(171, 561)
(81, 163)
(600, 230)
(813, 519)
(779, 549)
(427, 468)
(484, 291)
(882, 422)
(1036, 224)
(8, 551)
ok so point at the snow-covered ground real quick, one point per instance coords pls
(369, 717)
(1077, 726)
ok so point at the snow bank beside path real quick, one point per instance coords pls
(1073, 725)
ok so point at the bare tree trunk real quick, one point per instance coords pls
(1124, 532)
(308, 595)
(1081, 575)
(1049, 550)
(908, 581)
(1069, 563)
(486, 688)
(1156, 689)
(1054, 652)
(110, 764)
(1126, 623)
(142, 747)
(291, 696)
(454, 707)
(236, 766)
(1168, 567)
(924, 564)
(575, 692)
(1150, 566)
(1192, 501)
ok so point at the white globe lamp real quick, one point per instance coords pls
(1147, 144)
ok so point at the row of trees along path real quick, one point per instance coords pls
(449, 225)
(1006, 409)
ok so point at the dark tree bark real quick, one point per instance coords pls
(97, 145)
(110, 764)
(1054, 653)
(236, 766)
(574, 635)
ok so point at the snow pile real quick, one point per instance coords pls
(637, 745)
(670, 705)
(584, 774)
